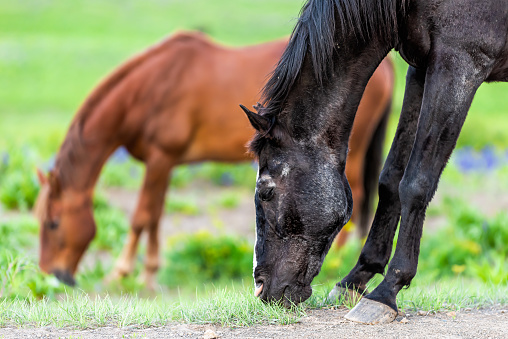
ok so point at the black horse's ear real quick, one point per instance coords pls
(259, 122)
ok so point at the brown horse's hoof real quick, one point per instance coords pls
(344, 294)
(147, 279)
(371, 312)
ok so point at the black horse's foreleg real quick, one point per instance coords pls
(376, 252)
(450, 84)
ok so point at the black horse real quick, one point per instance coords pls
(302, 195)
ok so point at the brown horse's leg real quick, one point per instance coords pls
(355, 178)
(146, 217)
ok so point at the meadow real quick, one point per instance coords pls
(52, 53)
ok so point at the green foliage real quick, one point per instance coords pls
(182, 204)
(112, 226)
(11, 268)
(229, 174)
(229, 200)
(18, 182)
(470, 245)
(338, 262)
(126, 174)
(43, 285)
(40, 40)
(242, 174)
(19, 275)
(204, 258)
(17, 233)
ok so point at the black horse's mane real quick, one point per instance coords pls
(315, 33)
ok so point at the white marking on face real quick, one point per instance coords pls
(267, 180)
(254, 260)
(285, 170)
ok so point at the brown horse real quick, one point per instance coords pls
(175, 103)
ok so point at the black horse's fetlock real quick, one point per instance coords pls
(346, 294)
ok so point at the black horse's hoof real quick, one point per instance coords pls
(371, 312)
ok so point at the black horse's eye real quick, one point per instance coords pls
(52, 225)
(266, 193)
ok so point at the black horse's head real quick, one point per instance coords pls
(302, 201)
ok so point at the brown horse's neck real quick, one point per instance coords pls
(79, 162)
(91, 137)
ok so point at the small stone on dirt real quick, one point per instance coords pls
(210, 334)
(423, 313)
(404, 320)
(451, 314)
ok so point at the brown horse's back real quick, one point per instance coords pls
(223, 131)
(181, 97)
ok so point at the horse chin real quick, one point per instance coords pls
(65, 277)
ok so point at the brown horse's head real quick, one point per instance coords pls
(67, 227)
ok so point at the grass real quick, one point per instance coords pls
(452, 295)
(225, 307)
(79, 310)
(430, 296)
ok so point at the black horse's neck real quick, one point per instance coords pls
(331, 55)
(323, 114)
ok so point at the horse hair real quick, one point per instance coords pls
(315, 33)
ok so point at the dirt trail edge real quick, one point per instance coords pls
(318, 324)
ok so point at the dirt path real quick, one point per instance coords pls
(318, 324)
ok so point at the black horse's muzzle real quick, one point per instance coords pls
(269, 290)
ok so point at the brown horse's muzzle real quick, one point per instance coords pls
(62, 274)
(65, 277)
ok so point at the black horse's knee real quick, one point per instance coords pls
(414, 191)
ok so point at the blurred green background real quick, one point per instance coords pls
(53, 53)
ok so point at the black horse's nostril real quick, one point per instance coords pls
(65, 277)
(260, 286)
(266, 193)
